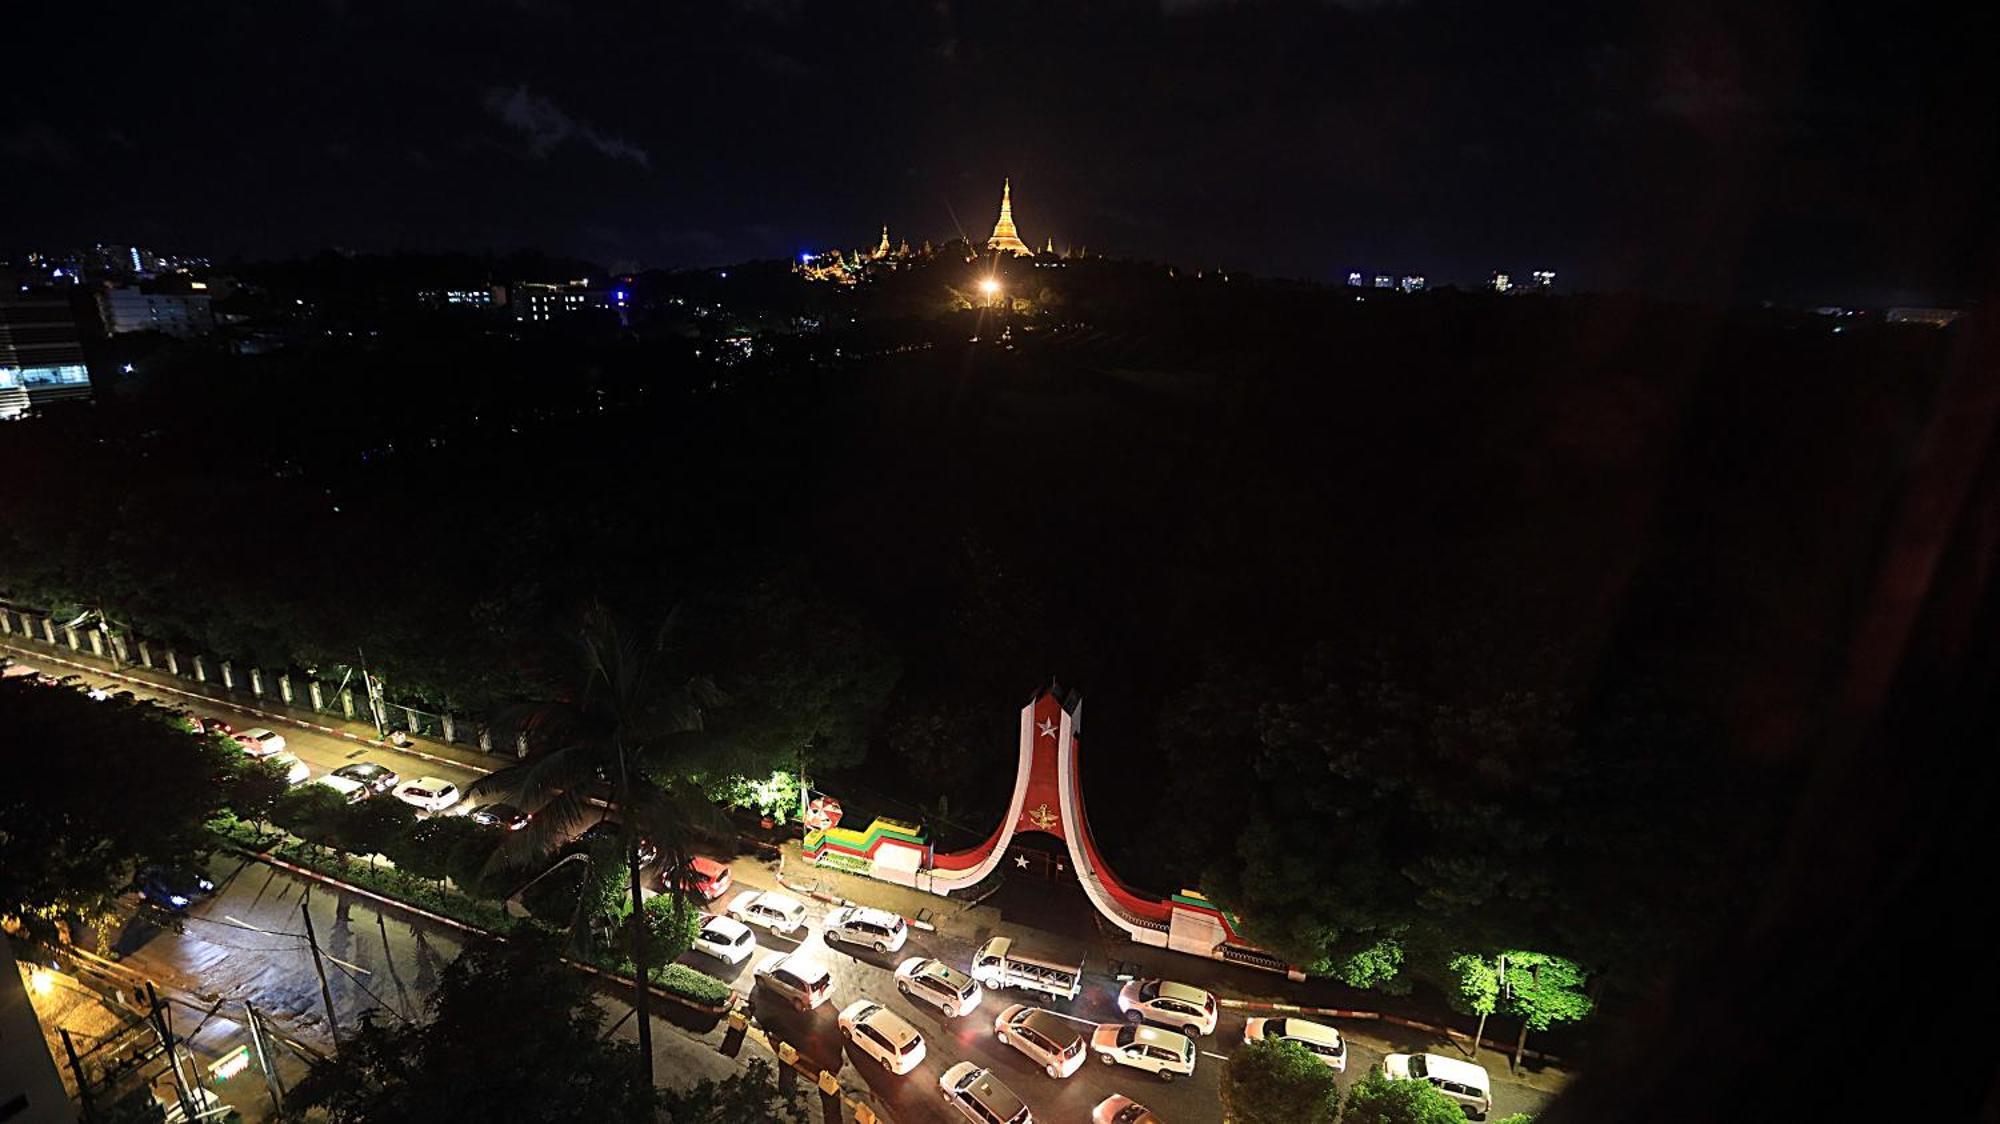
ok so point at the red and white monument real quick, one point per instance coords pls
(1048, 798)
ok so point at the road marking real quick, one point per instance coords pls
(1216, 1056)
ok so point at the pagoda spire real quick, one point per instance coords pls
(1005, 237)
(882, 250)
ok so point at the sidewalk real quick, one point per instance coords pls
(267, 707)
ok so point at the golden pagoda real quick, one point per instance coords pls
(1004, 235)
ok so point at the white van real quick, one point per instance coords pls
(1466, 1084)
(998, 964)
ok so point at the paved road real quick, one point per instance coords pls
(322, 752)
(915, 1098)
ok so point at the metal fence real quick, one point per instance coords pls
(351, 696)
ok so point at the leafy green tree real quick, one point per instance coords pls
(423, 850)
(626, 730)
(512, 1034)
(252, 787)
(1516, 1118)
(1271, 1081)
(1542, 991)
(373, 826)
(313, 812)
(1376, 1099)
(92, 791)
(750, 1097)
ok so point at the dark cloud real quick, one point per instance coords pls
(36, 142)
(546, 127)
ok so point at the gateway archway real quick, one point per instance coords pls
(1047, 798)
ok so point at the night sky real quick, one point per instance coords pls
(1754, 150)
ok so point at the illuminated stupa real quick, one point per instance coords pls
(1005, 237)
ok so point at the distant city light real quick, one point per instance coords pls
(127, 368)
(989, 286)
(805, 257)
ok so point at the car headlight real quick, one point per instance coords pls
(177, 899)
(206, 886)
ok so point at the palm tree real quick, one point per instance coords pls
(618, 733)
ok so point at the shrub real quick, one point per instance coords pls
(698, 987)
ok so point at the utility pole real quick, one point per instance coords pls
(155, 1015)
(325, 992)
(76, 1067)
(373, 689)
(267, 1058)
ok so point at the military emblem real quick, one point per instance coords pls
(1041, 818)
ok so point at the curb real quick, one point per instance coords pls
(280, 719)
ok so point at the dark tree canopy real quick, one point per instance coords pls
(512, 1034)
(72, 830)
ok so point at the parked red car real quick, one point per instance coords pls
(705, 876)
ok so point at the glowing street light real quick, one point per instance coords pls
(990, 287)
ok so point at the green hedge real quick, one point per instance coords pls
(698, 987)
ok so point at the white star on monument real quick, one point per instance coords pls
(1048, 728)
(1021, 861)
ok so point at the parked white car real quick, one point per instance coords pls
(353, 790)
(1323, 1042)
(877, 928)
(884, 1035)
(1464, 1083)
(726, 939)
(1048, 1039)
(939, 984)
(1189, 1010)
(296, 771)
(1162, 1053)
(777, 912)
(798, 977)
(259, 742)
(428, 794)
(981, 1098)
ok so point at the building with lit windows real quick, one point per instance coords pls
(129, 308)
(41, 354)
(1930, 317)
(541, 302)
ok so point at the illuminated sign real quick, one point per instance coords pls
(230, 1064)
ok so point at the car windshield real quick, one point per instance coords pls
(1417, 1067)
(1149, 990)
(1127, 1034)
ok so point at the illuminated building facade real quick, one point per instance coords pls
(128, 308)
(1931, 317)
(540, 302)
(41, 355)
(852, 266)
